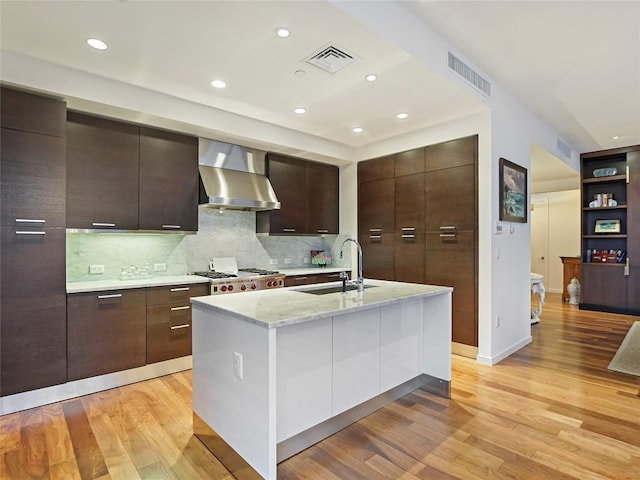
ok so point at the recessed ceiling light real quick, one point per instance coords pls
(372, 77)
(299, 110)
(97, 44)
(357, 129)
(615, 137)
(401, 115)
(282, 32)
(218, 84)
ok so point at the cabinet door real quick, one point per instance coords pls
(288, 177)
(603, 285)
(106, 332)
(633, 230)
(322, 198)
(409, 203)
(102, 173)
(409, 163)
(168, 332)
(451, 199)
(33, 176)
(168, 181)
(461, 151)
(376, 169)
(295, 280)
(32, 113)
(378, 256)
(33, 310)
(450, 261)
(409, 257)
(376, 206)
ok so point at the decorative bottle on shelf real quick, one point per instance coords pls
(574, 291)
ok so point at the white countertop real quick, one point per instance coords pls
(102, 285)
(289, 306)
(289, 272)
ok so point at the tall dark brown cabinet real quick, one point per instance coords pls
(33, 298)
(611, 230)
(417, 222)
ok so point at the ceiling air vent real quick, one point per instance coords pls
(469, 74)
(331, 58)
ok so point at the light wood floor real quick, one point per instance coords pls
(550, 411)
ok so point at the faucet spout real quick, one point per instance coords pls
(360, 280)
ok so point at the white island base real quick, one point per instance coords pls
(268, 383)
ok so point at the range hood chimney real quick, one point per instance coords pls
(234, 177)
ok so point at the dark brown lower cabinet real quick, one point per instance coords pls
(33, 309)
(378, 256)
(310, 279)
(106, 332)
(604, 285)
(169, 320)
(450, 261)
(409, 258)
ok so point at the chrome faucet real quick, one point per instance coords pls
(360, 281)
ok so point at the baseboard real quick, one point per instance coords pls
(86, 386)
(505, 353)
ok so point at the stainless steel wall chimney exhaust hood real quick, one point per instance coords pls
(234, 177)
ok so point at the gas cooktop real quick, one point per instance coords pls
(210, 274)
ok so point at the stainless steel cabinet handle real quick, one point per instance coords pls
(375, 230)
(27, 232)
(333, 275)
(103, 224)
(171, 226)
(375, 237)
(408, 229)
(300, 278)
(452, 227)
(173, 309)
(288, 229)
(626, 268)
(408, 236)
(627, 173)
(176, 327)
(447, 235)
(29, 220)
(322, 231)
(113, 295)
(180, 289)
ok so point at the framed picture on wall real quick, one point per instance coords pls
(513, 192)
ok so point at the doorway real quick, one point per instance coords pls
(540, 236)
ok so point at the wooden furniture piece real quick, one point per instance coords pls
(308, 194)
(169, 320)
(32, 244)
(106, 332)
(611, 270)
(417, 222)
(122, 176)
(571, 267)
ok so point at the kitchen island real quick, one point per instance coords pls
(277, 371)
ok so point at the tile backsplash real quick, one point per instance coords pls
(227, 234)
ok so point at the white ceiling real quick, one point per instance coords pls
(576, 63)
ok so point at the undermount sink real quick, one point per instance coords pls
(326, 290)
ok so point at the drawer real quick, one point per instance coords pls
(175, 294)
(168, 332)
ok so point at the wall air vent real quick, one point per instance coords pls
(564, 148)
(469, 74)
(331, 58)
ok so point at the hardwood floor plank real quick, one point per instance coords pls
(59, 447)
(154, 471)
(65, 470)
(88, 455)
(116, 458)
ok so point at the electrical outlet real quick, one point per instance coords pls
(497, 321)
(273, 261)
(159, 267)
(96, 269)
(238, 369)
(287, 260)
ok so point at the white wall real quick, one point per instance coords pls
(563, 232)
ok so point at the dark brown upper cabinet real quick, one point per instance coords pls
(32, 113)
(409, 162)
(102, 173)
(122, 176)
(168, 195)
(308, 195)
(454, 153)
